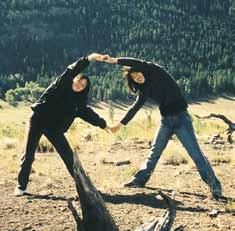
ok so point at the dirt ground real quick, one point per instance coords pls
(50, 186)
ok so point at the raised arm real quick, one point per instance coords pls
(78, 66)
(137, 64)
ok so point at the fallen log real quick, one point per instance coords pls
(231, 125)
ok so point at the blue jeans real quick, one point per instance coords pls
(180, 125)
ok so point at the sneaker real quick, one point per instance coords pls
(134, 184)
(216, 194)
(18, 192)
(216, 191)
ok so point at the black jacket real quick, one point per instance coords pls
(159, 86)
(59, 104)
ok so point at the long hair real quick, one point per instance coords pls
(132, 85)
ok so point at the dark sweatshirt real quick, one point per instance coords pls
(59, 105)
(159, 86)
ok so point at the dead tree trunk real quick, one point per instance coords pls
(165, 222)
(95, 215)
(231, 125)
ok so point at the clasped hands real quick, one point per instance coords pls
(102, 58)
(106, 58)
(113, 129)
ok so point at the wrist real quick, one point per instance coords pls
(120, 125)
(89, 58)
(115, 60)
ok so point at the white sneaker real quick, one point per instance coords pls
(18, 192)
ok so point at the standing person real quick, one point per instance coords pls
(54, 112)
(151, 81)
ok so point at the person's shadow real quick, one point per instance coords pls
(50, 196)
(223, 199)
(149, 200)
(146, 199)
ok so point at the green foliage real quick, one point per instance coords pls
(29, 93)
(109, 86)
(10, 82)
(205, 84)
(193, 39)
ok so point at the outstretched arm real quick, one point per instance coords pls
(87, 114)
(140, 100)
(78, 66)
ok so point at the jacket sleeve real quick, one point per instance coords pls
(78, 66)
(87, 114)
(71, 71)
(139, 102)
(137, 64)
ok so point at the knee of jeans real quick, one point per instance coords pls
(156, 149)
(29, 158)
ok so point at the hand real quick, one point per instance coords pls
(116, 128)
(107, 129)
(110, 60)
(97, 57)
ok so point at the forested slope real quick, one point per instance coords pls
(193, 39)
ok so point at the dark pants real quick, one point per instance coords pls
(35, 131)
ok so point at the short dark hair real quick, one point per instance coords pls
(86, 90)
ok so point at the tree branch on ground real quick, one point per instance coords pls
(231, 125)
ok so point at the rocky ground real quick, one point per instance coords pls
(45, 208)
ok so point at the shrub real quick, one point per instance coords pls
(230, 207)
(45, 146)
(29, 93)
(175, 159)
(219, 159)
(9, 143)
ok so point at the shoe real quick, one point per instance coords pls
(133, 184)
(216, 191)
(19, 192)
(216, 194)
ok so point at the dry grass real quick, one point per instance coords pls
(9, 143)
(175, 159)
(44, 145)
(144, 125)
(129, 207)
(221, 159)
(230, 207)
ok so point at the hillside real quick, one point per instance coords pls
(193, 39)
